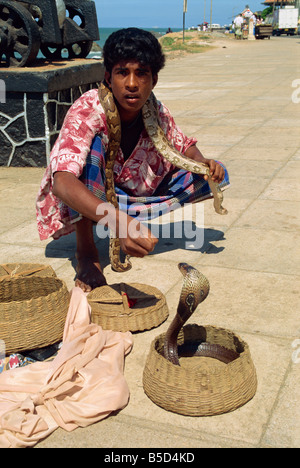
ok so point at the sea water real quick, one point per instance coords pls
(106, 32)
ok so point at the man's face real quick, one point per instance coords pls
(131, 84)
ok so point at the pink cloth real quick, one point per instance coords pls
(82, 385)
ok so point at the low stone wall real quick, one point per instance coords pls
(36, 102)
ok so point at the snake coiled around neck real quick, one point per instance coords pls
(164, 148)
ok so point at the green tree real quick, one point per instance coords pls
(266, 12)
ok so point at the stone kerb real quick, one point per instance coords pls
(36, 102)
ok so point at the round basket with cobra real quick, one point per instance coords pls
(33, 310)
(198, 370)
(127, 307)
(203, 386)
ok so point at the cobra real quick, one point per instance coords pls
(162, 145)
(195, 289)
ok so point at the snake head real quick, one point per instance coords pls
(184, 268)
(194, 284)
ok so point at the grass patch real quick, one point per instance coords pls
(192, 44)
(167, 41)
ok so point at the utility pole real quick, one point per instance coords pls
(210, 14)
(184, 12)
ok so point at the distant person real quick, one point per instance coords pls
(253, 18)
(169, 30)
(72, 189)
(238, 23)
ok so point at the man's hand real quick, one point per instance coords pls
(135, 238)
(216, 170)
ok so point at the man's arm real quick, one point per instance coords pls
(136, 239)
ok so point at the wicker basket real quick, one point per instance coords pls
(32, 312)
(206, 389)
(25, 269)
(127, 307)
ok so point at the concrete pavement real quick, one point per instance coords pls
(237, 100)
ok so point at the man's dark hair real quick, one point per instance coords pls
(133, 43)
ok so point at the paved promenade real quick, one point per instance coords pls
(237, 101)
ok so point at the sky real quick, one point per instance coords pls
(168, 13)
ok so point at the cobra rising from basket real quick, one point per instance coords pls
(195, 290)
(204, 389)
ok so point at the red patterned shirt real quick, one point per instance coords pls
(139, 175)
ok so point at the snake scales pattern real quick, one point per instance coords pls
(150, 119)
(195, 289)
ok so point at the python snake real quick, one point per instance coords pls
(162, 145)
(195, 289)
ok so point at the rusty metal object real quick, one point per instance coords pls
(56, 27)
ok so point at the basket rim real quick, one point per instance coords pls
(196, 326)
(21, 269)
(32, 279)
(180, 369)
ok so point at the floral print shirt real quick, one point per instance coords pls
(139, 175)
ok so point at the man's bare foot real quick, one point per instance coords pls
(89, 273)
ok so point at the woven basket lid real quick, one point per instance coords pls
(25, 269)
(204, 388)
(127, 307)
(33, 310)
